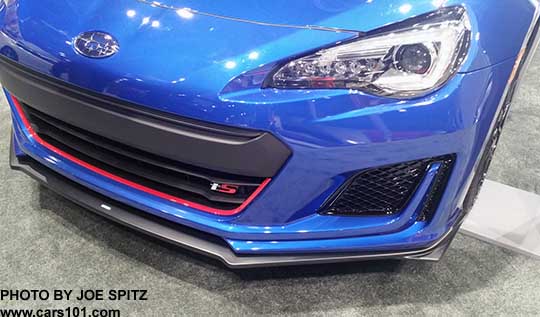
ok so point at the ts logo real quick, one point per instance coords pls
(224, 188)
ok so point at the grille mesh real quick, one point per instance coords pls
(158, 173)
(382, 191)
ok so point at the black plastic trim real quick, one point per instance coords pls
(430, 203)
(437, 189)
(211, 146)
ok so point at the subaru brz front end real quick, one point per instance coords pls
(269, 132)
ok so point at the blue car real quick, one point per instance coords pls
(267, 133)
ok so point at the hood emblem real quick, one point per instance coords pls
(96, 44)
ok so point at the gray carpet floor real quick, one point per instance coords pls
(48, 242)
(517, 161)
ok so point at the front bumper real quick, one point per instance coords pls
(195, 240)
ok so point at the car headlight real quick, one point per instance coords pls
(405, 60)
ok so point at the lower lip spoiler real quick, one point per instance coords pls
(194, 240)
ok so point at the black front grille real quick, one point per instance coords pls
(174, 178)
(387, 190)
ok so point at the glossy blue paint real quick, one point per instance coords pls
(182, 64)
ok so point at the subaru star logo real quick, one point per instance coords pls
(96, 44)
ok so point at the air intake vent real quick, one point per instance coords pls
(208, 188)
(387, 190)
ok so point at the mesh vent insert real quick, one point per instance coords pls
(383, 190)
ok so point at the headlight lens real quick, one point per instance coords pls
(407, 60)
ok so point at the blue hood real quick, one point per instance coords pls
(360, 15)
(181, 62)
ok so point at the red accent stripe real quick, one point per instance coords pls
(220, 212)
